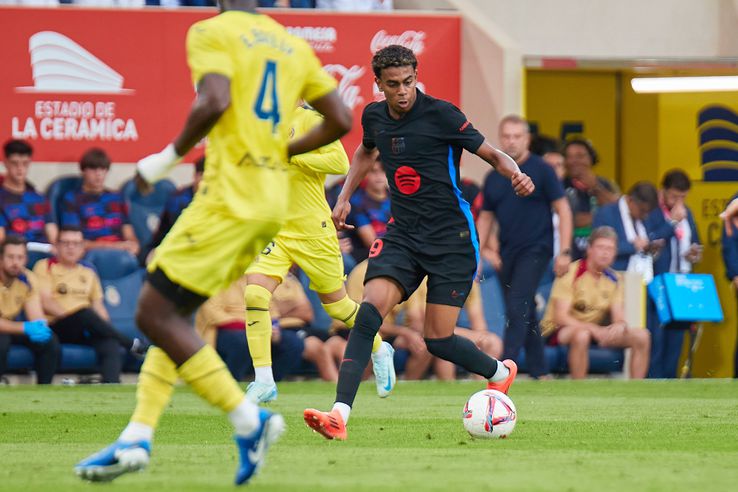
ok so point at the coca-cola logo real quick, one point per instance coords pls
(414, 40)
(348, 78)
(321, 39)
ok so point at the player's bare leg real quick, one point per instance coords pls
(381, 295)
(166, 323)
(342, 308)
(440, 321)
(258, 294)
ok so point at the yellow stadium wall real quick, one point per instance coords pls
(641, 137)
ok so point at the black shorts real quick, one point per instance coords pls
(407, 261)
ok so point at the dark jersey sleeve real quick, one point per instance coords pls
(552, 186)
(490, 192)
(457, 129)
(368, 138)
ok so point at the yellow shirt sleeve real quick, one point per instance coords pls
(563, 287)
(97, 293)
(619, 297)
(318, 82)
(42, 275)
(206, 52)
(329, 159)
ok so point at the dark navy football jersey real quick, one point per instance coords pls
(421, 153)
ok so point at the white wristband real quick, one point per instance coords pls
(154, 167)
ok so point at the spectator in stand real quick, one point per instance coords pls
(472, 193)
(524, 248)
(221, 322)
(23, 211)
(370, 212)
(627, 217)
(586, 191)
(174, 207)
(100, 213)
(587, 306)
(673, 222)
(549, 150)
(730, 254)
(18, 294)
(72, 298)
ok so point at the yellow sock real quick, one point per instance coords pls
(259, 325)
(155, 387)
(206, 373)
(377, 343)
(345, 311)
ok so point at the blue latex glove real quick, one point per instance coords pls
(38, 331)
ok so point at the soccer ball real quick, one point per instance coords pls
(489, 414)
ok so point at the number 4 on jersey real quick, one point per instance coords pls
(268, 91)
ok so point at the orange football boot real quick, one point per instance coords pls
(504, 385)
(328, 424)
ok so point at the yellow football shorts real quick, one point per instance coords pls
(319, 258)
(208, 249)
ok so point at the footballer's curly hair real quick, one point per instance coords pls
(393, 55)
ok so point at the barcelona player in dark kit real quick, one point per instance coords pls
(419, 139)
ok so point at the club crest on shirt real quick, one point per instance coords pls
(398, 145)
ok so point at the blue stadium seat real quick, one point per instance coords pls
(20, 358)
(34, 257)
(601, 360)
(56, 191)
(112, 263)
(121, 295)
(144, 211)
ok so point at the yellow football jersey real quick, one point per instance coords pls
(269, 71)
(308, 214)
(13, 297)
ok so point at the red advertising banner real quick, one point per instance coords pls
(75, 78)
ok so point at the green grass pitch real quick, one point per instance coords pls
(594, 435)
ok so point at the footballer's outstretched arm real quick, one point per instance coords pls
(506, 166)
(336, 123)
(213, 99)
(361, 164)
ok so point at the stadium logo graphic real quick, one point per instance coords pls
(347, 83)
(414, 40)
(60, 65)
(718, 131)
(321, 39)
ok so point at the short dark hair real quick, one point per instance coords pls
(645, 192)
(94, 158)
(676, 179)
(583, 142)
(12, 239)
(200, 165)
(393, 55)
(542, 145)
(15, 146)
(70, 228)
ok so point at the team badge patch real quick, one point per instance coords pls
(398, 145)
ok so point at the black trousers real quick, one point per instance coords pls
(86, 327)
(46, 355)
(521, 273)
